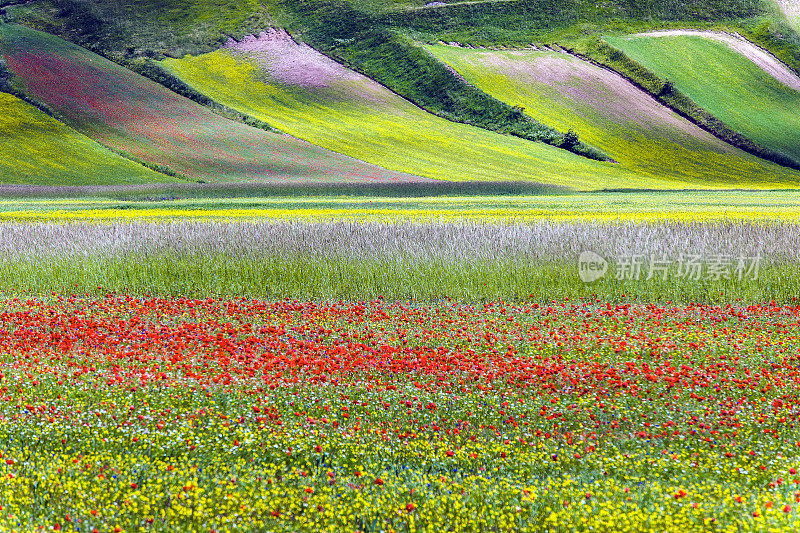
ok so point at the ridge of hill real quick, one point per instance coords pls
(524, 21)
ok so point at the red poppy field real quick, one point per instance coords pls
(127, 414)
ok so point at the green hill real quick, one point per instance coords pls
(726, 83)
(38, 150)
(131, 113)
(523, 21)
(612, 114)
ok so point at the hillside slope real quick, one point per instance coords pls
(304, 93)
(38, 150)
(611, 113)
(134, 114)
(722, 80)
(520, 21)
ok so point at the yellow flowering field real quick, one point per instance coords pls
(676, 206)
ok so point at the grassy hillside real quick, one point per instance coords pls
(130, 28)
(373, 37)
(610, 113)
(306, 94)
(131, 113)
(519, 21)
(725, 83)
(38, 150)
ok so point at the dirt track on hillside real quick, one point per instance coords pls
(763, 59)
(791, 8)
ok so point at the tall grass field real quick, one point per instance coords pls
(352, 260)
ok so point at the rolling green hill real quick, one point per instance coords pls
(131, 113)
(377, 100)
(306, 94)
(623, 121)
(726, 83)
(521, 21)
(38, 150)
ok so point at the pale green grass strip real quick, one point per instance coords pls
(725, 83)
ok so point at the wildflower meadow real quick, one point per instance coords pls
(121, 413)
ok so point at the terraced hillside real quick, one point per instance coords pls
(308, 95)
(134, 114)
(760, 100)
(610, 113)
(38, 150)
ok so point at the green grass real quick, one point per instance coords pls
(181, 203)
(519, 21)
(357, 117)
(39, 150)
(610, 113)
(145, 27)
(725, 83)
(131, 113)
(303, 277)
(792, 12)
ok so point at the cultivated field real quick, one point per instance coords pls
(404, 203)
(612, 114)
(724, 81)
(306, 94)
(30, 139)
(398, 376)
(395, 316)
(135, 115)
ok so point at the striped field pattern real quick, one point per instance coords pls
(136, 115)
